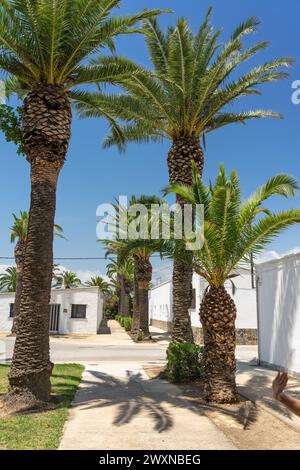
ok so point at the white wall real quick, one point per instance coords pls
(89, 296)
(160, 299)
(279, 312)
(6, 299)
(160, 305)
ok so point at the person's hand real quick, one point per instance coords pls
(279, 384)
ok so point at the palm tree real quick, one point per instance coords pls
(233, 230)
(8, 279)
(67, 280)
(122, 273)
(19, 231)
(140, 250)
(49, 48)
(187, 95)
(98, 281)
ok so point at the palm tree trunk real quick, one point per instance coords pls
(182, 301)
(144, 310)
(143, 276)
(124, 299)
(19, 258)
(135, 310)
(127, 289)
(217, 315)
(182, 152)
(46, 132)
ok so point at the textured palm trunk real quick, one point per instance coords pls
(46, 131)
(19, 258)
(135, 310)
(119, 279)
(127, 300)
(124, 299)
(183, 151)
(217, 315)
(143, 276)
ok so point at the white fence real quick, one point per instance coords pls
(279, 312)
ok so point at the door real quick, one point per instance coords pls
(54, 318)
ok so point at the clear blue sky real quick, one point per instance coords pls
(92, 176)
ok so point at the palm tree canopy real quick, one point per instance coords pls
(56, 42)
(67, 280)
(8, 279)
(192, 84)
(116, 268)
(19, 229)
(232, 229)
(98, 281)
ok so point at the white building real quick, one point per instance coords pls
(161, 315)
(72, 311)
(278, 293)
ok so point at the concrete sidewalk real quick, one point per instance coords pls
(119, 407)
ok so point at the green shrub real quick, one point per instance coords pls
(118, 318)
(185, 362)
(140, 336)
(127, 323)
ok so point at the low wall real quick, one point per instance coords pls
(162, 325)
(244, 336)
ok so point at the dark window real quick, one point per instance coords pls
(193, 305)
(78, 311)
(11, 310)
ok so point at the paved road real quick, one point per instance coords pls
(63, 350)
(88, 350)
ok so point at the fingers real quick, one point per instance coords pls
(281, 379)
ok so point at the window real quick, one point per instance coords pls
(193, 305)
(11, 310)
(78, 311)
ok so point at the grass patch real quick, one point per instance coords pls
(40, 431)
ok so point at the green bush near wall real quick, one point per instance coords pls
(125, 322)
(185, 362)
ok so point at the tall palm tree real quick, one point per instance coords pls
(19, 232)
(98, 281)
(233, 230)
(49, 48)
(140, 250)
(186, 96)
(122, 273)
(67, 280)
(8, 279)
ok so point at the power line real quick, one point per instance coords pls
(76, 258)
(71, 258)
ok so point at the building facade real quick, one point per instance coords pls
(161, 315)
(72, 311)
(278, 294)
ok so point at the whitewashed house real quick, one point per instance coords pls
(161, 315)
(278, 294)
(72, 311)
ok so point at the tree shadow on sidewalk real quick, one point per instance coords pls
(136, 396)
